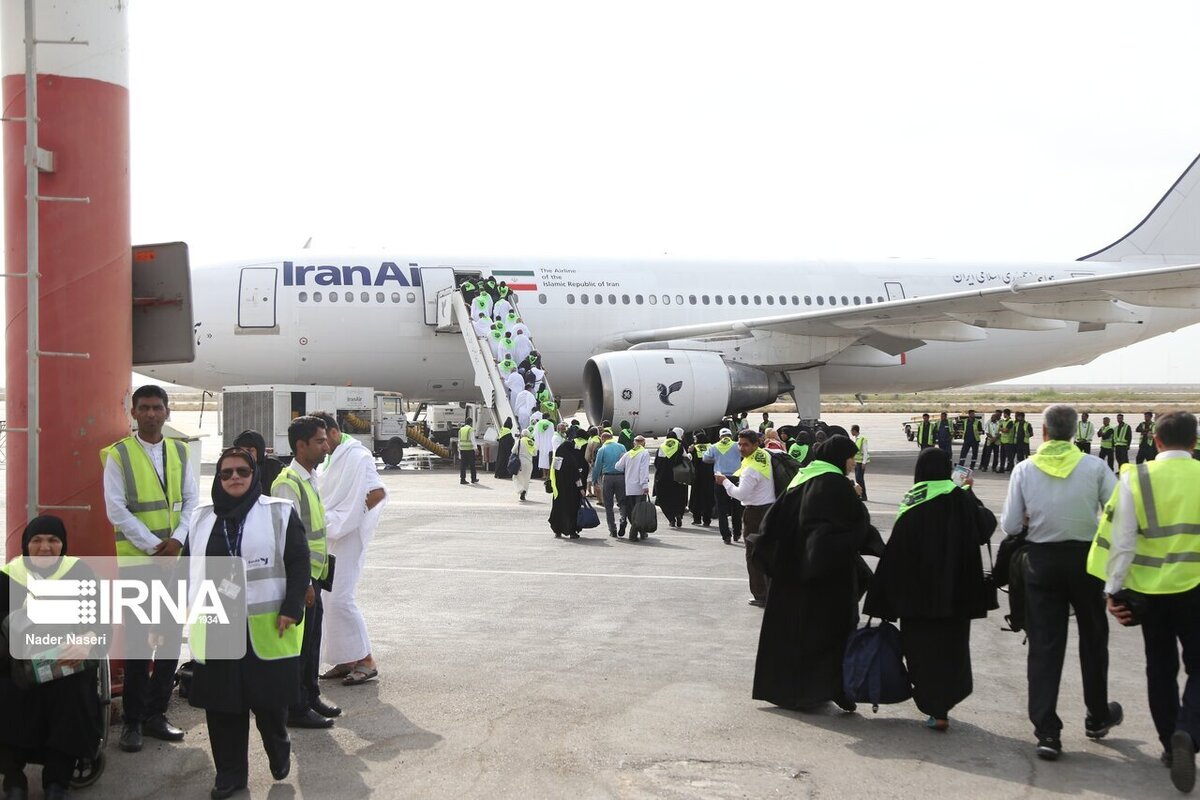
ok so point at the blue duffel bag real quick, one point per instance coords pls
(873, 668)
(587, 516)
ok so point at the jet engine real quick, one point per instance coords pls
(657, 390)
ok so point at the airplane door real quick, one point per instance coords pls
(894, 290)
(256, 297)
(433, 280)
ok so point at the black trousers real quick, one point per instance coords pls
(760, 584)
(991, 454)
(1007, 452)
(728, 509)
(57, 767)
(1122, 456)
(860, 477)
(463, 460)
(1084, 446)
(229, 736)
(1172, 621)
(144, 694)
(1056, 580)
(1107, 454)
(971, 447)
(310, 655)
(1146, 452)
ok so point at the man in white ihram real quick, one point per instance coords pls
(353, 496)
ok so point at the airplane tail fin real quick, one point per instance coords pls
(1170, 233)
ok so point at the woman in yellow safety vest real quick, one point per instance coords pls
(268, 534)
(51, 708)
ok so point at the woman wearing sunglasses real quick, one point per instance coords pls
(267, 533)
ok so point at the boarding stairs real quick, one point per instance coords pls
(454, 316)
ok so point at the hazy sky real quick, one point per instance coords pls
(996, 130)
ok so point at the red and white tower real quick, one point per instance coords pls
(83, 294)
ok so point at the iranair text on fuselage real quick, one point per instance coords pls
(388, 273)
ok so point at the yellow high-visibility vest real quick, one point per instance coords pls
(312, 514)
(158, 506)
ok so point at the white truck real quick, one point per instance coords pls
(376, 419)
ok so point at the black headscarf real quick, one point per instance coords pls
(933, 464)
(42, 526)
(252, 438)
(836, 450)
(227, 506)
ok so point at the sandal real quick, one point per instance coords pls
(337, 673)
(360, 675)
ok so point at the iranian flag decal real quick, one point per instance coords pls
(518, 280)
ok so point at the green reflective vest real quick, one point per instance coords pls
(1146, 429)
(465, 434)
(18, 570)
(1123, 436)
(1106, 437)
(1167, 558)
(926, 433)
(156, 506)
(1008, 431)
(312, 514)
(860, 442)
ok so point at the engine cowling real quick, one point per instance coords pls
(657, 390)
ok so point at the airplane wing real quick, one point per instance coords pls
(897, 326)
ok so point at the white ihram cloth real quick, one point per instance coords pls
(545, 445)
(523, 347)
(346, 479)
(523, 404)
(501, 308)
(521, 479)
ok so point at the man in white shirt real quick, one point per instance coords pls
(756, 492)
(353, 496)
(140, 471)
(1058, 494)
(636, 466)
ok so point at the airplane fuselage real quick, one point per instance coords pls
(369, 321)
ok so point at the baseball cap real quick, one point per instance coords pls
(726, 432)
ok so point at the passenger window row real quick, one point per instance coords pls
(745, 300)
(363, 297)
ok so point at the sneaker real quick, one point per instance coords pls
(1094, 730)
(1183, 761)
(1049, 748)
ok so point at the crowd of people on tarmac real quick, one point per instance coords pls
(1079, 540)
(310, 523)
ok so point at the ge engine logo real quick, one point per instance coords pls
(627, 394)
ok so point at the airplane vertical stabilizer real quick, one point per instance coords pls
(1170, 233)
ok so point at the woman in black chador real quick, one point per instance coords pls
(931, 578)
(505, 443)
(811, 544)
(566, 481)
(670, 495)
(702, 499)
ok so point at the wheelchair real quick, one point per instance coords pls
(88, 770)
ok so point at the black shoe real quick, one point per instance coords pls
(1093, 730)
(325, 709)
(574, 535)
(757, 603)
(621, 532)
(131, 737)
(474, 480)
(221, 791)
(1049, 748)
(464, 483)
(282, 771)
(849, 706)
(308, 719)
(726, 540)
(158, 728)
(1183, 761)
(613, 534)
(522, 495)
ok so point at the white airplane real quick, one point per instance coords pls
(670, 343)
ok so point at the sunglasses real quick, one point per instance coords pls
(242, 472)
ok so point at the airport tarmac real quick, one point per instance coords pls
(516, 665)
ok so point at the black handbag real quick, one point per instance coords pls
(586, 517)
(991, 592)
(683, 472)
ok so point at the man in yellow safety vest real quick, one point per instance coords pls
(149, 496)
(466, 453)
(1147, 549)
(309, 440)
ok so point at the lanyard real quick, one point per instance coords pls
(234, 545)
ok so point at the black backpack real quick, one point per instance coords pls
(873, 668)
(783, 469)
